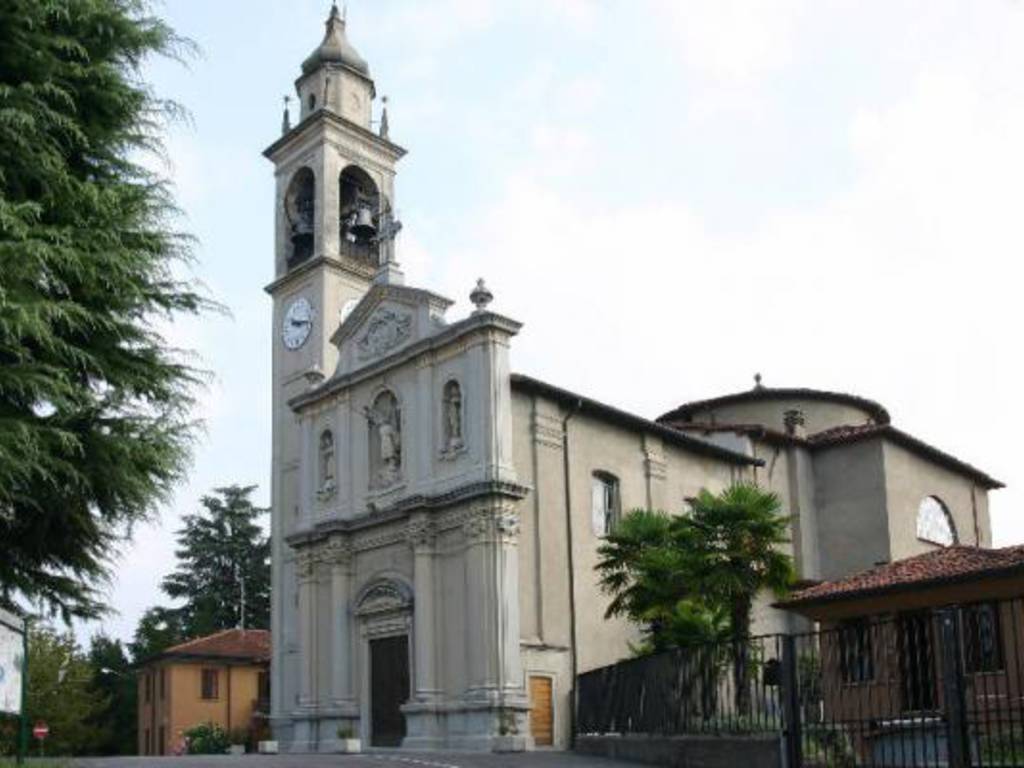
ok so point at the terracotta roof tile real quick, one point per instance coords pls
(229, 643)
(845, 435)
(956, 563)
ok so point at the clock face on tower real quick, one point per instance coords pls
(298, 322)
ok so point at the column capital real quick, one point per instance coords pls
(421, 532)
(495, 522)
(338, 551)
(306, 560)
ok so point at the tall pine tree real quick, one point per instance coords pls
(223, 555)
(95, 404)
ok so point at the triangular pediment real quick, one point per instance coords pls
(387, 319)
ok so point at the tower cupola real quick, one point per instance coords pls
(335, 77)
(335, 48)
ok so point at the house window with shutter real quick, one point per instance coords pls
(210, 684)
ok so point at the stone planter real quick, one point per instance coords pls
(350, 746)
(509, 743)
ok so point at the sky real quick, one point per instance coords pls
(670, 195)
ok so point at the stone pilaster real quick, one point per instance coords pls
(422, 713)
(338, 555)
(495, 693)
(306, 563)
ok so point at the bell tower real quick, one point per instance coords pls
(334, 232)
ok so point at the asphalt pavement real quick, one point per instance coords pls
(540, 759)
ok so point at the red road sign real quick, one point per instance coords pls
(40, 730)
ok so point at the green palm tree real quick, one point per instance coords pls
(644, 567)
(692, 578)
(738, 535)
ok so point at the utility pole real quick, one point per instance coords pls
(241, 581)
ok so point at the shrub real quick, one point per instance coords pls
(207, 739)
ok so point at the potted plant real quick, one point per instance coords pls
(348, 742)
(239, 738)
(509, 738)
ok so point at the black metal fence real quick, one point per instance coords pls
(923, 688)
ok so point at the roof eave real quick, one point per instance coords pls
(528, 383)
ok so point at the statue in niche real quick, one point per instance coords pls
(326, 465)
(452, 418)
(385, 422)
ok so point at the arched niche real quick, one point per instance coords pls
(300, 213)
(325, 465)
(384, 418)
(452, 419)
(359, 208)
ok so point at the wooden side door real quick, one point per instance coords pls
(542, 721)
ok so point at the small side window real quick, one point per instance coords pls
(605, 506)
(210, 684)
(312, 102)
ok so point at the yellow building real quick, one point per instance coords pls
(221, 678)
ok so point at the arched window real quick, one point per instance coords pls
(452, 413)
(326, 462)
(605, 507)
(384, 419)
(300, 212)
(934, 523)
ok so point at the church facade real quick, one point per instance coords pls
(436, 517)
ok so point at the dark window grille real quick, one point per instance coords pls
(210, 684)
(983, 643)
(856, 660)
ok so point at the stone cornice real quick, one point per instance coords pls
(330, 118)
(475, 323)
(403, 508)
(351, 268)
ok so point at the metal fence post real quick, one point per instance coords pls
(791, 704)
(953, 689)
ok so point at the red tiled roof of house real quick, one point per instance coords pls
(228, 644)
(956, 563)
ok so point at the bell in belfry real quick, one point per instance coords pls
(363, 227)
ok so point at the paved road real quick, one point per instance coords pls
(374, 760)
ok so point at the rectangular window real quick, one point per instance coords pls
(147, 687)
(210, 684)
(163, 683)
(263, 686)
(856, 661)
(983, 641)
(604, 503)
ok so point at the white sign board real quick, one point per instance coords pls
(11, 650)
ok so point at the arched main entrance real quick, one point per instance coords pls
(384, 608)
